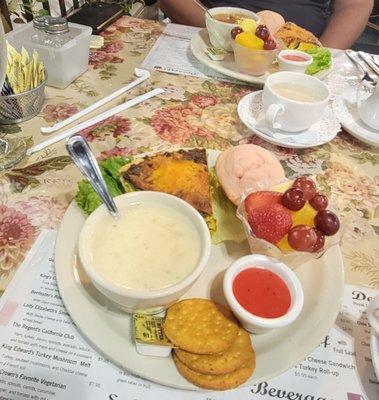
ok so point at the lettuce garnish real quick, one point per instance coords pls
(322, 57)
(87, 199)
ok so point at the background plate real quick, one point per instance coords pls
(108, 329)
(200, 42)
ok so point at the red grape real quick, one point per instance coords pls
(269, 44)
(293, 199)
(262, 32)
(327, 222)
(235, 31)
(319, 202)
(302, 238)
(319, 244)
(306, 185)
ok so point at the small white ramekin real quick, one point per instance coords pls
(295, 66)
(253, 323)
(131, 300)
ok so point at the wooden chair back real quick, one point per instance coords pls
(5, 12)
(63, 9)
(28, 12)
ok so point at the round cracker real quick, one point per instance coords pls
(215, 382)
(240, 353)
(200, 326)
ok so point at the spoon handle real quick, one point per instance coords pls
(82, 156)
(351, 54)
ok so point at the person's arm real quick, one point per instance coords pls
(186, 12)
(347, 22)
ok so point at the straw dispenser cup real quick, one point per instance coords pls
(63, 63)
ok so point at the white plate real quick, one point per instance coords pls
(109, 330)
(250, 111)
(348, 116)
(374, 344)
(200, 41)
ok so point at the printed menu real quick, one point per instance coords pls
(44, 357)
(171, 53)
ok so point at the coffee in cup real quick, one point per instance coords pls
(293, 101)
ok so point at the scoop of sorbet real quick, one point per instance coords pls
(246, 168)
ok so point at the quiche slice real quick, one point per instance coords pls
(292, 35)
(182, 173)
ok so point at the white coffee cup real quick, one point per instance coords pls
(219, 31)
(373, 314)
(292, 115)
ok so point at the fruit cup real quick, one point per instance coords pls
(254, 48)
(292, 222)
(253, 62)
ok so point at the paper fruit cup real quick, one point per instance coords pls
(292, 258)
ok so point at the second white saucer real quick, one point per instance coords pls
(250, 111)
(347, 114)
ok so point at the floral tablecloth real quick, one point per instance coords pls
(191, 112)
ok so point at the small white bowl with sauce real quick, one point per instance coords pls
(294, 60)
(263, 293)
(150, 256)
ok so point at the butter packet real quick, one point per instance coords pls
(149, 336)
(97, 42)
(216, 53)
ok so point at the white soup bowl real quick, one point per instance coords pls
(130, 299)
(219, 31)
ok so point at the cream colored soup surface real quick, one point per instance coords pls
(151, 246)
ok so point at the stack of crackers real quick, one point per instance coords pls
(212, 350)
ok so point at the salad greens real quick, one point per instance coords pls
(322, 57)
(87, 199)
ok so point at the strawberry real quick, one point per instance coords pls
(270, 222)
(263, 198)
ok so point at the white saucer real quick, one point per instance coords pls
(374, 344)
(250, 111)
(348, 116)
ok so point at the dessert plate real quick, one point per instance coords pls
(250, 111)
(348, 116)
(109, 330)
(200, 41)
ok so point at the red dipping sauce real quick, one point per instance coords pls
(262, 292)
(293, 57)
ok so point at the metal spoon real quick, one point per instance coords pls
(215, 31)
(81, 154)
(210, 15)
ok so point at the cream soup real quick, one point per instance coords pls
(151, 246)
(294, 91)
